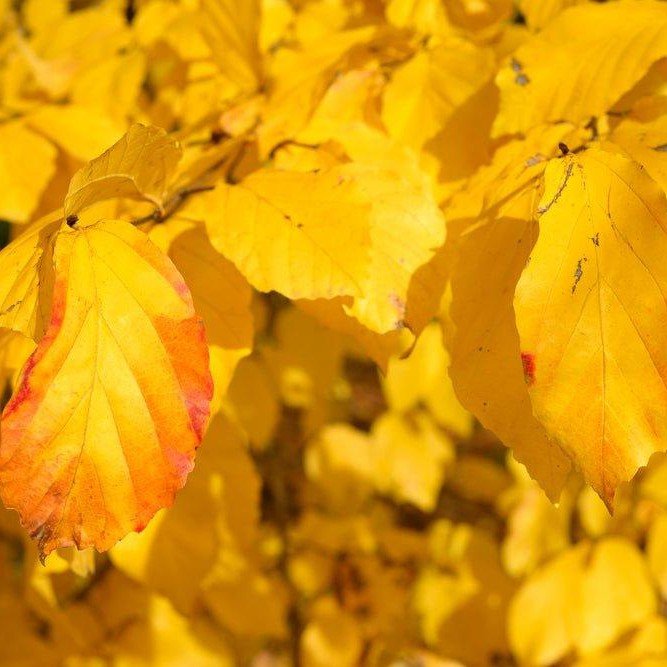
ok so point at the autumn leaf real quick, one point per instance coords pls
(277, 226)
(495, 230)
(231, 28)
(590, 309)
(422, 379)
(538, 13)
(383, 228)
(110, 408)
(227, 316)
(585, 71)
(425, 91)
(23, 181)
(595, 606)
(424, 239)
(645, 142)
(138, 166)
(82, 132)
(26, 279)
(207, 516)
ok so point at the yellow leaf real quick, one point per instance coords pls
(572, 70)
(65, 47)
(332, 637)
(401, 288)
(646, 144)
(277, 16)
(479, 16)
(164, 638)
(319, 21)
(657, 552)
(138, 166)
(347, 102)
(411, 458)
(111, 87)
(248, 603)
(647, 647)
(379, 347)
(102, 429)
(474, 630)
(26, 279)
(353, 230)
(437, 596)
(539, 13)
(226, 310)
(217, 509)
(492, 227)
(304, 235)
(541, 614)
(424, 92)
(301, 79)
(81, 132)
(584, 599)
(594, 354)
(254, 399)
(27, 163)
(616, 595)
(593, 514)
(653, 482)
(231, 28)
(41, 14)
(339, 461)
(536, 531)
(426, 16)
(304, 363)
(15, 349)
(422, 379)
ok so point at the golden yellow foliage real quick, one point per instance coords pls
(397, 267)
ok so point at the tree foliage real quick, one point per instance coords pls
(398, 267)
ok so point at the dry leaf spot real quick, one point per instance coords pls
(528, 363)
(579, 271)
(568, 173)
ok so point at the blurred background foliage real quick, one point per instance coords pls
(336, 517)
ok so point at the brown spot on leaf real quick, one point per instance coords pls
(578, 273)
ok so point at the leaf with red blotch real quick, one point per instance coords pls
(103, 426)
(591, 310)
